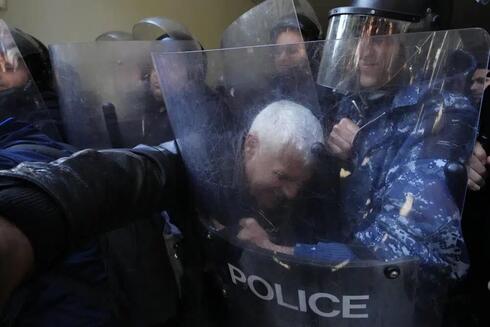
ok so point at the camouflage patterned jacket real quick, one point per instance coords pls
(397, 195)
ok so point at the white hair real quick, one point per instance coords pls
(286, 123)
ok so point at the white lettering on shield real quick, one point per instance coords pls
(348, 306)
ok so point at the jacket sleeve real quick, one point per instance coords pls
(94, 192)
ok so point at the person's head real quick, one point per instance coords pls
(304, 29)
(479, 83)
(357, 53)
(155, 86)
(277, 152)
(290, 54)
(13, 71)
(293, 30)
(379, 59)
(36, 58)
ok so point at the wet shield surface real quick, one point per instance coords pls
(300, 226)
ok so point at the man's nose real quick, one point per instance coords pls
(282, 55)
(474, 88)
(290, 190)
(366, 47)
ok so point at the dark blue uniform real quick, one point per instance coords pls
(396, 198)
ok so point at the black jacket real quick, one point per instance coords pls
(62, 204)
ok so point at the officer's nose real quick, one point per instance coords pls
(282, 56)
(290, 190)
(366, 47)
(475, 88)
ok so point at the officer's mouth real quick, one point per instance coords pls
(367, 65)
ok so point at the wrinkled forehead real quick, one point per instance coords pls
(284, 155)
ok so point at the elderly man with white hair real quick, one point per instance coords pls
(276, 163)
(262, 169)
(277, 152)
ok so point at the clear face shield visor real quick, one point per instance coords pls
(361, 54)
(357, 26)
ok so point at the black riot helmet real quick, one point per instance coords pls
(180, 42)
(309, 30)
(411, 11)
(183, 42)
(36, 58)
(350, 26)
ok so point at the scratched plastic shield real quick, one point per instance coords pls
(295, 233)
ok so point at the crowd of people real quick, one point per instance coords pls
(373, 166)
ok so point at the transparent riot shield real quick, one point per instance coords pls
(20, 99)
(109, 93)
(299, 233)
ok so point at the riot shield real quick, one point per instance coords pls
(297, 237)
(109, 93)
(20, 98)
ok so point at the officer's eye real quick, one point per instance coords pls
(282, 176)
(292, 50)
(9, 68)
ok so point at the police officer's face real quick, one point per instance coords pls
(175, 78)
(376, 58)
(479, 83)
(12, 74)
(290, 56)
(274, 178)
(155, 86)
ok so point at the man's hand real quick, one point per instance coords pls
(340, 140)
(16, 258)
(254, 233)
(477, 172)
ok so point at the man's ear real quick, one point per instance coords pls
(251, 145)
